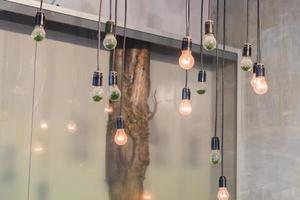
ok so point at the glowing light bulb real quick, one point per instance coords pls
(186, 60)
(253, 80)
(44, 125)
(110, 41)
(260, 86)
(246, 63)
(38, 148)
(209, 42)
(72, 127)
(185, 107)
(97, 94)
(114, 93)
(223, 193)
(147, 196)
(108, 108)
(120, 137)
(39, 33)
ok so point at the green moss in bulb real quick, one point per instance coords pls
(38, 38)
(114, 96)
(247, 68)
(201, 91)
(97, 98)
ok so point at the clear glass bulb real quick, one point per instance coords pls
(38, 33)
(185, 107)
(186, 60)
(215, 157)
(110, 41)
(261, 86)
(209, 42)
(97, 93)
(223, 193)
(246, 63)
(253, 80)
(201, 87)
(114, 93)
(120, 137)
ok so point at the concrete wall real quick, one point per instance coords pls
(268, 139)
(68, 165)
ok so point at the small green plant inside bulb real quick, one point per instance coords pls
(215, 157)
(201, 91)
(97, 94)
(246, 64)
(38, 33)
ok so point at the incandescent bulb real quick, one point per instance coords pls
(215, 157)
(114, 93)
(97, 93)
(71, 127)
(223, 193)
(253, 80)
(246, 63)
(185, 107)
(120, 137)
(38, 33)
(110, 41)
(260, 86)
(201, 87)
(44, 125)
(147, 196)
(108, 108)
(209, 42)
(186, 60)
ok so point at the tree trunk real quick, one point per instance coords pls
(126, 165)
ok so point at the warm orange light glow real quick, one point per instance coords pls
(185, 107)
(108, 108)
(253, 80)
(186, 60)
(71, 127)
(44, 125)
(260, 86)
(147, 196)
(120, 137)
(223, 194)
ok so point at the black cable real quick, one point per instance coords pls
(99, 36)
(186, 78)
(123, 57)
(223, 65)
(258, 33)
(115, 34)
(41, 5)
(201, 35)
(188, 17)
(209, 9)
(217, 68)
(110, 10)
(247, 23)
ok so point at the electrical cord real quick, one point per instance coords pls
(201, 35)
(247, 23)
(123, 57)
(41, 5)
(258, 32)
(217, 69)
(99, 36)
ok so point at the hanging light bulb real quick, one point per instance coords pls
(114, 92)
(209, 40)
(201, 85)
(97, 91)
(108, 108)
(186, 59)
(72, 127)
(44, 125)
(215, 155)
(246, 62)
(223, 193)
(185, 107)
(260, 85)
(39, 33)
(120, 136)
(110, 41)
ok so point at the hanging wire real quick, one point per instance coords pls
(217, 69)
(99, 36)
(110, 10)
(223, 65)
(201, 35)
(113, 59)
(258, 32)
(31, 124)
(247, 23)
(41, 5)
(123, 57)
(188, 17)
(186, 79)
(209, 9)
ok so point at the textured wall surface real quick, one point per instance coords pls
(70, 164)
(268, 141)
